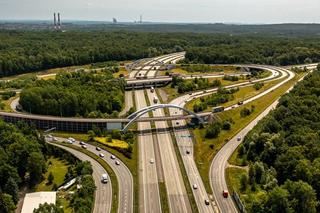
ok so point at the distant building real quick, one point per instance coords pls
(33, 200)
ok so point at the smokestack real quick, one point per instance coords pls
(59, 21)
(55, 21)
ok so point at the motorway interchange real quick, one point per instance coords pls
(160, 150)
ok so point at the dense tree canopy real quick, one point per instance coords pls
(75, 94)
(284, 149)
(27, 51)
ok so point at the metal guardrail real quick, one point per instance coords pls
(238, 202)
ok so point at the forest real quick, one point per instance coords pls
(75, 94)
(283, 152)
(28, 51)
(23, 161)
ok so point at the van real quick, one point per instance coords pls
(104, 178)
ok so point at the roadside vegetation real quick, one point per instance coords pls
(210, 140)
(282, 152)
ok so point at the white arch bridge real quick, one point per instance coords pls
(136, 115)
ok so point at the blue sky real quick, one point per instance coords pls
(205, 11)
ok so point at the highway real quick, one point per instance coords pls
(220, 161)
(149, 197)
(185, 143)
(176, 191)
(123, 174)
(103, 193)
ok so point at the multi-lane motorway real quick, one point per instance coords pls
(157, 156)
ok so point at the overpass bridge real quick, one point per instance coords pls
(86, 124)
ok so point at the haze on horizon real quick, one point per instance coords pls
(193, 11)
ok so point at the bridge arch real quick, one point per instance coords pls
(136, 115)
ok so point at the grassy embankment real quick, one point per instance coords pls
(132, 163)
(112, 175)
(204, 154)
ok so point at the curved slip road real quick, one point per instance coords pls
(103, 193)
(220, 161)
(123, 174)
(185, 144)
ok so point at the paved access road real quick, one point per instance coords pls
(176, 191)
(103, 194)
(149, 197)
(123, 174)
(220, 161)
(128, 103)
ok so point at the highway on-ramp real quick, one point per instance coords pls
(103, 193)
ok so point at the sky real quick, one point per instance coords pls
(191, 11)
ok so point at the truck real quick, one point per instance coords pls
(152, 89)
(104, 178)
(155, 100)
(218, 109)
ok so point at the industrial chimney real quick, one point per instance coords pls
(59, 21)
(55, 21)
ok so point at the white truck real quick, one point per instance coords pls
(104, 178)
(152, 90)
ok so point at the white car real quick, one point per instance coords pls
(84, 146)
(152, 161)
(113, 157)
(101, 155)
(117, 162)
(69, 141)
(239, 138)
(72, 140)
(54, 139)
(195, 186)
(82, 143)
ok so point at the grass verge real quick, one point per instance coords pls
(59, 169)
(163, 197)
(112, 175)
(206, 149)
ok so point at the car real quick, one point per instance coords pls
(98, 148)
(195, 186)
(69, 141)
(49, 136)
(82, 143)
(225, 193)
(84, 146)
(72, 140)
(104, 178)
(207, 202)
(152, 161)
(190, 93)
(239, 138)
(188, 152)
(101, 155)
(240, 102)
(117, 162)
(113, 157)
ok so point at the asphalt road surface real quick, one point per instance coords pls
(103, 193)
(176, 191)
(123, 174)
(149, 197)
(128, 102)
(220, 161)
